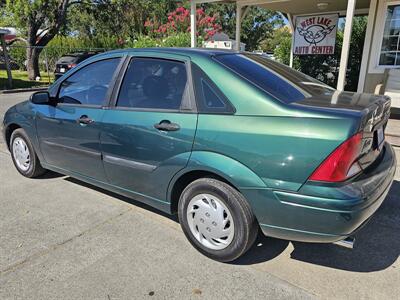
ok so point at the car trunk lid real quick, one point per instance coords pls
(370, 111)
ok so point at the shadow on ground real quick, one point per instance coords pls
(123, 198)
(377, 245)
(50, 175)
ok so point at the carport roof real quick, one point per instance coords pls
(297, 7)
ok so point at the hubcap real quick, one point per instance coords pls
(210, 221)
(21, 154)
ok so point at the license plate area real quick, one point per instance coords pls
(62, 70)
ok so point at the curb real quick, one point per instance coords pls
(43, 88)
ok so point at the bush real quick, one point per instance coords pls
(143, 42)
(62, 45)
(177, 40)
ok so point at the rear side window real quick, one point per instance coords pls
(151, 83)
(89, 85)
(269, 81)
(208, 96)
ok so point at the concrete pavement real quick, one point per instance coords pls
(61, 238)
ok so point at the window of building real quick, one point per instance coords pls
(390, 49)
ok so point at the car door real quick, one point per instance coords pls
(149, 131)
(69, 130)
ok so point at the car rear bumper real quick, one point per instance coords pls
(325, 213)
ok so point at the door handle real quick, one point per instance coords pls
(166, 125)
(84, 119)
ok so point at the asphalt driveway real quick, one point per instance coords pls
(61, 238)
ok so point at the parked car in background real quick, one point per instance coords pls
(269, 55)
(69, 61)
(231, 142)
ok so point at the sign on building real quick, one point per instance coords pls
(315, 35)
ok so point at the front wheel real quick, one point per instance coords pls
(24, 156)
(216, 219)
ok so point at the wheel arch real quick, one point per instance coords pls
(185, 179)
(210, 164)
(8, 132)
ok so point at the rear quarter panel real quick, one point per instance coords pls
(282, 151)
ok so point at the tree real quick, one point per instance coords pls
(41, 20)
(178, 21)
(257, 25)
(356, 50)
(122, 19)
(279, 43)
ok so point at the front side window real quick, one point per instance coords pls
(151, 83)
(89, 85)
(390, 50)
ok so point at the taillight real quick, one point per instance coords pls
(70, 66)
(342, 163)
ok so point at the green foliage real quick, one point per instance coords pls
(282, 51)
(24, 11)
(20, 80)
(257, 25)
(280, 44)
(121, 18)
(177, 40)
(60, 46)
(143, 41)
(356, 50)
(18, 54)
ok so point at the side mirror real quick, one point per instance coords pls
(41, 97)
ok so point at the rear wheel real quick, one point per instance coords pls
(217, 219)
(24, 156)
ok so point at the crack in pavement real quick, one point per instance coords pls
(51, 248)
(4, 152)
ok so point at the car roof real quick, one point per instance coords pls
(205, 52)
(80, 53)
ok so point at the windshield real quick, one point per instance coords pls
(278, 80)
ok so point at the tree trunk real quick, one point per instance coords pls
(36, 20)
(32, 55)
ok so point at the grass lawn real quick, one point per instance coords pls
(20, 79)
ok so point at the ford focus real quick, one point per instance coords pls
(234, 143)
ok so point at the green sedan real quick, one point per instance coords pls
(233, 143)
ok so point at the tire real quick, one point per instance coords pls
(216, 219)
(18, 142)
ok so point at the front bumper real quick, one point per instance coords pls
(325, 213)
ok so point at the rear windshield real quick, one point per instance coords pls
(69, 58)
(278, 80)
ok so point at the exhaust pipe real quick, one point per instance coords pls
(346, 243)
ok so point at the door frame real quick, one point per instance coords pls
(55, 88)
